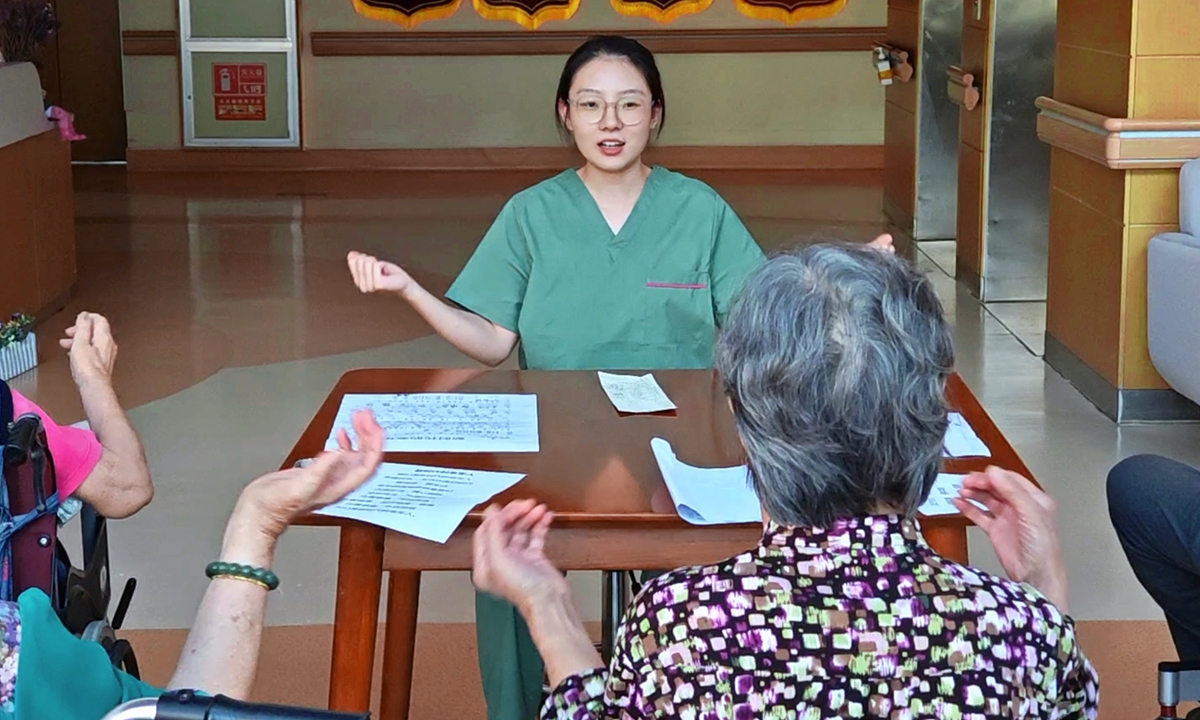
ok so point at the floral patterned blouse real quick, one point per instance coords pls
(861, 621)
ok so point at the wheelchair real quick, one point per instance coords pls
(32, 556)
(1178, 682)
(188, 705)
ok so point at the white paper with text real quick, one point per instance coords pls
(635, 393)
(447, 422)
(427, 502)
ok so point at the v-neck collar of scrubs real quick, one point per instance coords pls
(629, 230)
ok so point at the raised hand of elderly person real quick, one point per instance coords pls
(91, 348)
(883, 242)
(510, 562)
(221, 654)
(1020, 522)
(117, 483)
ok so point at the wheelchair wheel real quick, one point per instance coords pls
(119, 651)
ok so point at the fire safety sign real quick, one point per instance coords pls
(240, 91)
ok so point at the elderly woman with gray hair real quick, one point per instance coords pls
(835, 360)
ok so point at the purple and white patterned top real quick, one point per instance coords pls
(861, 621)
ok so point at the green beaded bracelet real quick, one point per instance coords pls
(258, 575)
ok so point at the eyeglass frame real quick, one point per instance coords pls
(574, 103)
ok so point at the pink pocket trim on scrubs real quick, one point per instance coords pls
(676, 286)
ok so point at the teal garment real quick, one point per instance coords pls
(509, 663)
(62, 677)
(581, 297)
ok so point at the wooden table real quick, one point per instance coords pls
(595, 471)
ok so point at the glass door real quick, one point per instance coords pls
(240, 78)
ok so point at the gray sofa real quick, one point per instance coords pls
(1173, 292)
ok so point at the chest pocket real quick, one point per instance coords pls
(678, 308)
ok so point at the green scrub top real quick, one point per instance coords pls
(582, 298)
(59, 675)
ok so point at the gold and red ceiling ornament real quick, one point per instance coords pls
(790, 11)
(529, 14)
(663, 11)
(407, 13)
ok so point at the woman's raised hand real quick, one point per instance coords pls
(374, 275)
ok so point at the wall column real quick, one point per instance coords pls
(1125, 115)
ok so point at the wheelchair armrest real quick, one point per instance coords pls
(187, 705)
(1178, 682)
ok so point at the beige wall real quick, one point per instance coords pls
(445, 102)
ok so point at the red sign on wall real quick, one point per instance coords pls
(240, 91)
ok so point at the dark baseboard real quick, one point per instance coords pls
(1123, 406)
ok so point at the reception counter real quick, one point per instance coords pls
(37, 205)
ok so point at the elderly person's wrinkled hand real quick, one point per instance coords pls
(91, 348)
(510, 559)
(221, 653)
(1020, 522)
(276, 499)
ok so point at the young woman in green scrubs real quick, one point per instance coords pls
(612, 265)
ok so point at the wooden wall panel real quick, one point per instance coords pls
(1166, 87)
(1165, 27)
(1083, 309)
(900, 159)
(1094, 185)
(1154, 197)
(904, 32)
(1105, 26)
(970, 209)
(973, 125)
(1092, 80)
(37, 223)
(54, 221)
(18, 291)
(563, 42)
(1137, 370)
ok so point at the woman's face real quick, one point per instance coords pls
(610, 113)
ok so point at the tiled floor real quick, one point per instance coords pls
(235, 315)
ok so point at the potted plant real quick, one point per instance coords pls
(25, 25)
(18, 346)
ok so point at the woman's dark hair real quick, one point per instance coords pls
(612, 46)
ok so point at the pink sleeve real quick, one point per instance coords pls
(76, 450)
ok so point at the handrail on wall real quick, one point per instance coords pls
(1117, 143)
(960, 86)
(1103, 122)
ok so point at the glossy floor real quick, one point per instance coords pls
(235, 316)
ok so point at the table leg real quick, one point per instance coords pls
(949, 542)
(356, 617)
(616, 598)
(399, 643)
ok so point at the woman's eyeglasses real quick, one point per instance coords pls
(630, 111)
